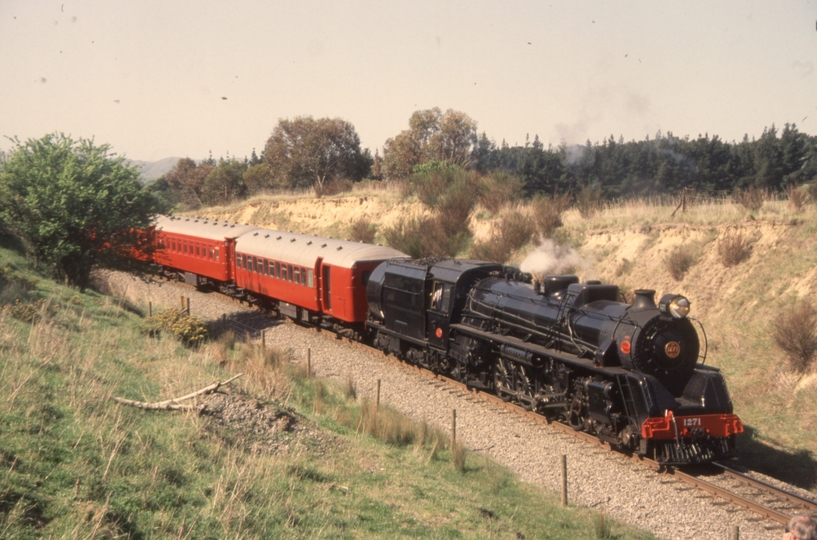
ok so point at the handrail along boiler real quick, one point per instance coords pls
(628, 373)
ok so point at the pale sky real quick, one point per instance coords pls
(149, 77)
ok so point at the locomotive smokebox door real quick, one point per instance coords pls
(439, 314)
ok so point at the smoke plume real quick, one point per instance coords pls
(551, 258)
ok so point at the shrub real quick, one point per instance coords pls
(508, 234)
(498, 189)
(795, 332)
(797, 197)
(547, 213)
(405, 235)
(333, 187)
(733, 248)
(190, 330)
(589, 201)
(751, 198)
(679, 261)
(362, 230)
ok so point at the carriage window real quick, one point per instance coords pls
(310, 279)
(284, 272)
(297, 276)
(266, 267)
(303, 276)
(216, 253)
(238, 260)
(290, 271)
(259, 266)
(185, 246)
(277, 270)
(197, 250)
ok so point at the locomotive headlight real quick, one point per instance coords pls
(675, 305)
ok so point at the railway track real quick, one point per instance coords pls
(768, 502)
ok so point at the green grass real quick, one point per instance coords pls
(73, 463)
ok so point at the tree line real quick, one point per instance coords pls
(308, 153)
(75, 203)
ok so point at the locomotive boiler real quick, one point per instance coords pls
(632, 374)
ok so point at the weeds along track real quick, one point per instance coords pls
(523, 442)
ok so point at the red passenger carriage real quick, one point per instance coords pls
(307, 278)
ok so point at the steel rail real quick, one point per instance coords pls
(806, 504)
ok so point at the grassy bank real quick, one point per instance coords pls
(75, 464)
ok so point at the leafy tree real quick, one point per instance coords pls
(257, 178)
(305, 152)
(74, 203)
(187, 179)
(167, 197)
(225, 183)
(432, 135)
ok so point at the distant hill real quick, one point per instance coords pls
(151, 170)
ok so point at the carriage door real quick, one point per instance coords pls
(439, 314)
(327, 294)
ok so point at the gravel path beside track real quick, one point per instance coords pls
(597, 478)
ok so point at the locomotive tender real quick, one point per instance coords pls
(630, 374)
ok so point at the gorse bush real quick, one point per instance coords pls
(795, 332)
(509, 233)
(406, 235)
(190, 330)
(499, 189)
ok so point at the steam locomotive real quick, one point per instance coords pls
(629, 374)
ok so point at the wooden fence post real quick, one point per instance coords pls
(564, 480)
(150, 309)
(453, 428)
(308, 362)
(377, 401)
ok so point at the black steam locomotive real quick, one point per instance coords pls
(629, 374)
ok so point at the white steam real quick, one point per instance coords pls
(551, 258)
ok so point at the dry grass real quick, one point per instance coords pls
(797, 197)
(795, 332)
(333, 187)
(751, 198)
(547, 213)
(589, 201)
(733, 248)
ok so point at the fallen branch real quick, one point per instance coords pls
(173, 404)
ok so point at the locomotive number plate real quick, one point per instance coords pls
(691, 422)
(673, 349)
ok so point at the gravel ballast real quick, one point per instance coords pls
(597, 478)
